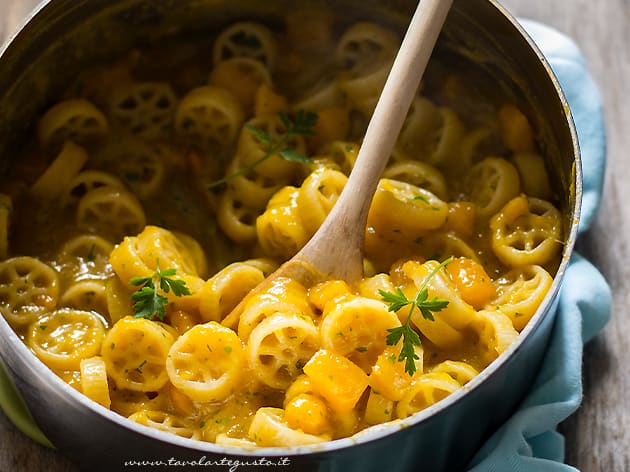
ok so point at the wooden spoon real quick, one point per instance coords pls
(336, 249)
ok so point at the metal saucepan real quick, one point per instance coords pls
(64, 36)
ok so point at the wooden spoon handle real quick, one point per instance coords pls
(337, 247)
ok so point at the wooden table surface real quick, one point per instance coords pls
(598, 434)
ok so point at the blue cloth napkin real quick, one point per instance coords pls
(528, 441)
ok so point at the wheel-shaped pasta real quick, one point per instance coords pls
(284, 296)
(88, 180)
(403, 212)
(237, 220)
(269, 428)
(492, 183)
(459, 370)
(94, 380)
(427, 390)
(354, 328)
(135, 352)
(251, 149)
(378, 409)
(75, 119)
(119, 302)
(127, 402)
(496, 333)
(534, 176)
(279, 346)
(252, 189)
(245, 39)
(222, 292)
(317, 195)
(88, 295)
(242, 77)
(61, 338)
(440, 244)
(420, 174)
(28, 287)
(206, 362)
(68, 163)
(193, 253)
(143, 167)
(209, 117)
(279, 229)
(114, 211)
(337, 155)
(526, 231)
(364, 44)
(520, 292)
(86, 255)
(144, 109)
(159, 246)
(6, 210)
(364, 89)
(168, 423)
(320, 97)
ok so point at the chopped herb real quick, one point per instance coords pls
(148, 301)
(139, 368)
(410, 337)
(361, 349)
(228, 350)
(90, 255)
(303, 125)
(43, 327)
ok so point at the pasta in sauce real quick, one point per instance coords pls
(191, 164)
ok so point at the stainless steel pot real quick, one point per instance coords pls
(64, 36)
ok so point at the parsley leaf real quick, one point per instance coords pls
(409, 336)
(303, 125)
(148, 301)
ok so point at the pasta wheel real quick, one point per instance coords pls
(51, 184)
(206, 362)
(245, 39)
(127, 402)
(76, 119)
(65, 336)
(88, 180)
(94, 380)
(135, 352)
(364, 89)
(427, 390)
(378, 409)
(159, 246)
(251, 149)
(284, 296)
(87, 255)
(119, 302)
(237, 220)
(87, 295)
(269, 428)
(168, 423)
(265, 265)
(364, 44)
(28, 287)
(242, 77)
(279, 346)
(401, 211)
(492, 182)
(338, 155)
(6, 210)
(459, 370)
(520, 292)
(317, 195)
(144, 109)
(143, 167)
(320, 97)
(443, 244)
(251, 189)
(209, 117)
(115, 211)
(279, 229)
(533, 174)
(354, 328)
(420, 174)
(496, 333)
(526, 231)
(222, 292)
(193, 253)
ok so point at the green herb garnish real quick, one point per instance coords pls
(148, 301)
(410, 337)
(303, 125)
